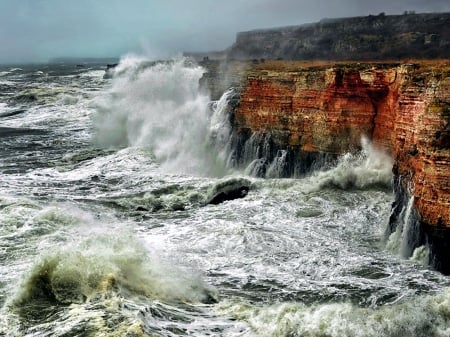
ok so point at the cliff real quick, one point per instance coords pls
(311, 111)
(371, 37)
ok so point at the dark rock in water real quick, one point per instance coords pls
(109, 71)
(228, 190)
(237, 193)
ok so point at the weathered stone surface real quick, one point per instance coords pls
(323, 110)
(326, 108)
(405, 109)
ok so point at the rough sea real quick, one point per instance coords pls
(106, 230)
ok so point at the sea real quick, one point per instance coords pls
(107, 229)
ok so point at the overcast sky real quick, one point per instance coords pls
(36, 30)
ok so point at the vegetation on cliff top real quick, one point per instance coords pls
(380, 37)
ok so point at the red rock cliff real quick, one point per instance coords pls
(404, 109)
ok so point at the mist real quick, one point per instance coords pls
(38, 30)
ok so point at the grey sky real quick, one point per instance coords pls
(35, 30)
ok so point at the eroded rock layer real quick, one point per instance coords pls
(324, 109)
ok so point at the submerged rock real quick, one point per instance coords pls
(109, 71)
(228, 190)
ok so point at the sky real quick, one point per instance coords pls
(38, 30)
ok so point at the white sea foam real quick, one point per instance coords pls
(421, 255)
(159, 106)
(3, 107)
(370, 167)
(5, 82)
(427, 316)
(99, 264)
(94, 73)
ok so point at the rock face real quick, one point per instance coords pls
(314, 111)
(371, 37)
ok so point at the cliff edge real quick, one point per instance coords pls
(373, 37)
(311, 111)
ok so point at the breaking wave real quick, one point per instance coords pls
(102, 266)
(427, 316)
(368, 168)
(159, 105)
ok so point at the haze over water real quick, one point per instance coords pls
(41, 30)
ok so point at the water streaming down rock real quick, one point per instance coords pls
(404, 234)
(258, 155)
(220, 128)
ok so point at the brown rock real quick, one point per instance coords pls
(404, 109)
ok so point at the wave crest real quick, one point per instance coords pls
(427, 316)
(103, 266)
(158, 105)
(368, 168)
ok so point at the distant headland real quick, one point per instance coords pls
(84, 60)
(372, 37)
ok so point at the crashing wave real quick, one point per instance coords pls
(160, 106)
(102, 266)
(366, 169)
(427, 316)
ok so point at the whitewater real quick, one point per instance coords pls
(106, 228)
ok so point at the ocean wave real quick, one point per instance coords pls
(427, 316)
(159, 105)
(369, 168)
(104, 265)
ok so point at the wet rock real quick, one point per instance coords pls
(228, 190)
(109, 71)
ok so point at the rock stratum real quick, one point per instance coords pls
(373, 37)
(314, 110)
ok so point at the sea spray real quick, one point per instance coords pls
(100, 280)
(101, 265)
(159, 105)
(369, 168)
(427, 316)
(421, 255)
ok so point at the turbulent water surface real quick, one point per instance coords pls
(105, 228)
